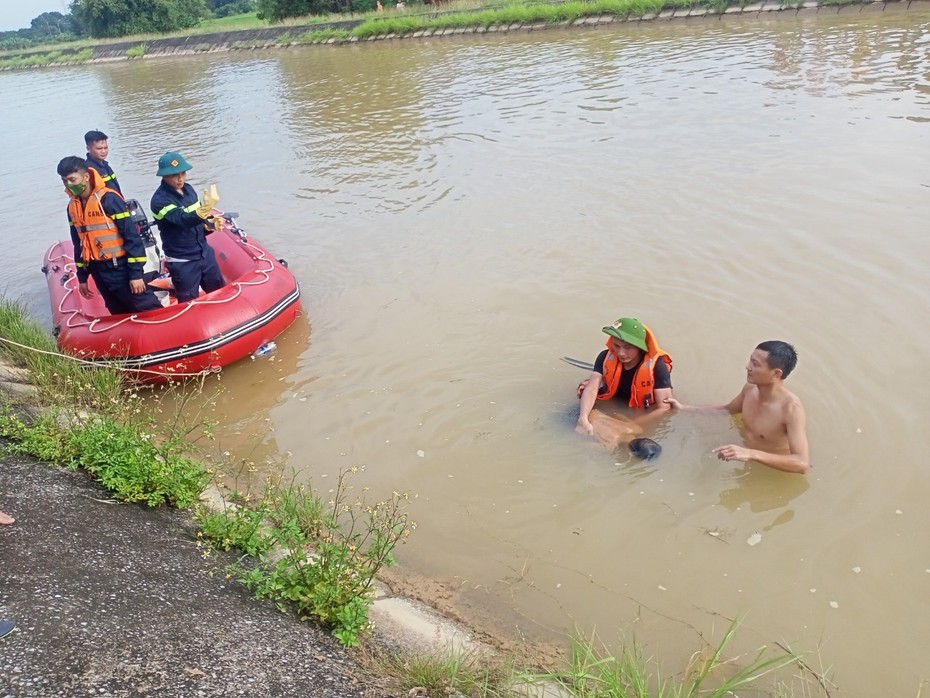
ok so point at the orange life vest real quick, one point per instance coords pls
(644, 379)
(100, 238)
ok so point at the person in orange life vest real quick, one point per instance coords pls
(632, 370)
(107, 245)
(774, 421)
(184, 223)
(97, 151)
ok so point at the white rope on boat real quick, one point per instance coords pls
(101, 364)
(92, 325)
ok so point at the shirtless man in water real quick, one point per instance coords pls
(773, 417)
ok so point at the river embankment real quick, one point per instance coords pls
(452, 23)
(115, 599)
(111, 598)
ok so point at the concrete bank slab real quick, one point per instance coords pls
(409, 624)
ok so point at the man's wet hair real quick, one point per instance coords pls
(70, 165)
(94, 136)
(781, 355)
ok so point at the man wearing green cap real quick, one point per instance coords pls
(632, 370)
(184, 222)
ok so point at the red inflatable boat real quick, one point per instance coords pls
(260, 299)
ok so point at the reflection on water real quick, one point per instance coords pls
(461, 213)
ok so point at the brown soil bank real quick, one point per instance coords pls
(278, 37)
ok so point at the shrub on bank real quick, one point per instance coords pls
(316, 556)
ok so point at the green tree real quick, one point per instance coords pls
(276, 10)
(225, 8)
(54, 25)
(108, 18)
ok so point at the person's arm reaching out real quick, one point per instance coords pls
(734, 406)
(588, 398)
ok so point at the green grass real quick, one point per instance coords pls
(516, 14)
(43, 59)
(88, 418)
(467, 673)
(330, 550)
(595, 672)
(59, 378)
(318, 36)
(136, 51)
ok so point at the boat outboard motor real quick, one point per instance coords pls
(137, 215)
(152, 252)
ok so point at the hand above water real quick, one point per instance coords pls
(733, 452)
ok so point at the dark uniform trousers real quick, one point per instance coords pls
(113, 285)
(188, 277)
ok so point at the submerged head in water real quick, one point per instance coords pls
(647, 449)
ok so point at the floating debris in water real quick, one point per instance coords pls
(857, 569)
(898, 512)
(834, 604)
(662, 588)
(754, 539)
(421, 453)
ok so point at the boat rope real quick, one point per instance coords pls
(115, 367)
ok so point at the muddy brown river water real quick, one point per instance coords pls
(464, 212)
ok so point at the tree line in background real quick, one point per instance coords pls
(276, 10)
(113, 18)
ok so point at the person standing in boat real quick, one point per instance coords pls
(632, 370)
(97, 150)
(184, 222)
(107, 245)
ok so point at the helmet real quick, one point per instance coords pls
(172, 163)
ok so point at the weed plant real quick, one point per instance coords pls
(134, 464)
(89, 418)
(460, 672)
(59, 379)
(318, 557)
(136, 51)
(516, 13)
(596, 673)
(318, 36)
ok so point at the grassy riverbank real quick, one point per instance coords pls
(147, 446)
(466, 16)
